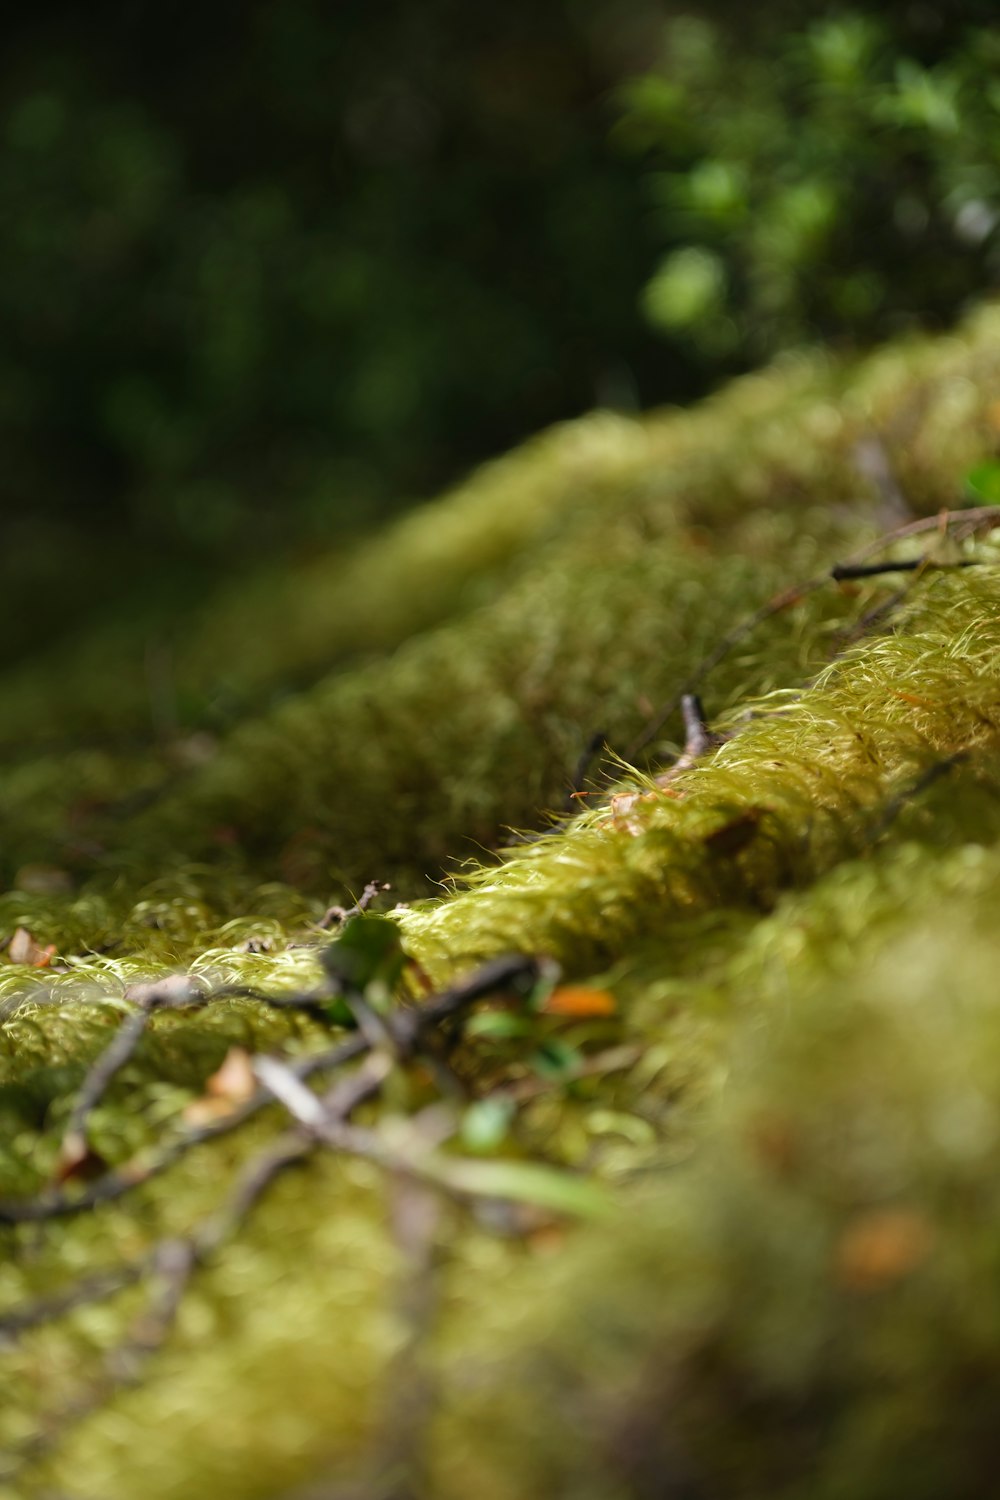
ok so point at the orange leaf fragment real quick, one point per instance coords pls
(24, 950)
(579, 1000)
(881, 1247)
(229, 1086)
(235, 1079)
(913, 698)
(205, 1111)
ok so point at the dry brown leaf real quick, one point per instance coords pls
(24, 950)
(205, 1111)
(77, 1161)
(229, 1086)
(234, 1080)
(881, 1247)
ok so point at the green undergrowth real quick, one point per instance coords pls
(713, 1217)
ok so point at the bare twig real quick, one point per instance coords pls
(408, 1025)
(321, 1120)
(135, 1173)
(336, 916)
(842, 572)
(116, 1054)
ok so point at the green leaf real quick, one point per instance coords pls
(690, 285)
(555, 1058)
(527, 1182)
(498, 1023)
(983, 482)
(485, 1124)
(368, 957)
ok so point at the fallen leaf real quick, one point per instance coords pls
(881, 1247)
(368, 951)
(521, 1182)
(229, 1086)
(549, 1238)
(578, 1000)
(77, 1161)
(205, 1111)
(24, 950)
(234, 1080)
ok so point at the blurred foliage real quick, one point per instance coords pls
(835, 178)
(268, 270)
(274, 271)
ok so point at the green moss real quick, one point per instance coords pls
(794, 1103)
(810, 1307)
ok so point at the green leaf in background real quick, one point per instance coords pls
(498, 1024)
(982, 484)
(485, 1124)
(525, 1182)
(555, 1058)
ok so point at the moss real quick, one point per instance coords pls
(799, 789)
(793, 1102)
(810, 1308)
(696, 517)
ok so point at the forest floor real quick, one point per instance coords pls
(509, 1008)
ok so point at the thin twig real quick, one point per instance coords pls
(336, 916)
(842, 572)
(174, 1260)
(116, 1054)
(135, 1173)
(409, 1024)
(321, 1120)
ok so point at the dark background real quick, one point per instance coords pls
(271, 271)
